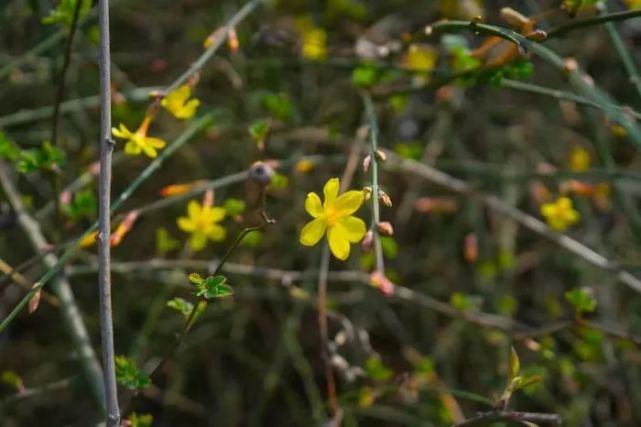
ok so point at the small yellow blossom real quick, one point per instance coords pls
(633, 4)
(421, 58)
(579, 159)
(177, 102)
(560, 214)
(314, 44)
(138, 141)
(87, 240)
(335, 217)
(304, 166)
(202, 223)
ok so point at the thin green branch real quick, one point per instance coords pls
(624, 54)
(591, 22)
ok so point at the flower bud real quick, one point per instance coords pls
(382, 283)
(367, 161)
(34, 302)
(570, 65)
(380, 155)
(368, 241)
(261, 173)
(367, 193)
(385, 228)
(513, 18)
(385, 199)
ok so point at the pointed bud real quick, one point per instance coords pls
(34, 302)
(471, 248)
(513, 18)
(570, 65)
(385, 228)
(382, 283)
(123, 228)
(232, 41)
(385, 199)
(367, 161)
(367, 193)
(380, 155)
(368, 241)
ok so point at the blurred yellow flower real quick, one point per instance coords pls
(420, 58)
(314, 44)
(87, 240)
(202, 223)
(304, 166)
(633, 4)
(335, 217)
(138, 141)
(560, 214)
(177, 102)
(579, 159)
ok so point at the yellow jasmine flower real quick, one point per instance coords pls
(421, 58)
(560, 214)
(202, 222)
(314, 44)
(177, 102)
(138, 141)
(579, 159)
(335, 217)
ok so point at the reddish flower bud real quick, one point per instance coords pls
(368, 241)
(382, 283)
(385, 199)
(385, 228)
(367, 161)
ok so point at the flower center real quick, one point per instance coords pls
(332, 216)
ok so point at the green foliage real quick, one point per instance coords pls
(252, 239)
(582, 300)
(390, 247)
(515, 379)
(211, 287)
(463, 302)
(278, 105)
(181, 305)
(234, 206)
(164, 242)
(64, 11)
(365, 76)
(375, 369)
(259, 131)
(128, 375)
(12, 379)
(8, 149)
(279, 181)
(409, 150)
(83, 205)
(142, 420)
(44, 158)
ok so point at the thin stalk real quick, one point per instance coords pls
(624, 54)
(590, 22)
(104, 220)
(323, 330)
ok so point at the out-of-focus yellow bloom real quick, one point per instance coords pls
(177, 102)
(335, 217)
(138, 142)
(560, 214)
(87, 240)
(304, 166)
(633, 4)
(202, 223)
(579, 159)
(421, 58)
(314, 44)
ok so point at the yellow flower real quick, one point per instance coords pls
(177, 102)
(335, 217)
(560, 214)
(138, 141)
(202, 222)
(579, 159)
(421, 58)
(314, 44)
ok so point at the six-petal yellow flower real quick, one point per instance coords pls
(202, 223)
(138, 141)
(335, 217)
(177, 102)
(560, 214)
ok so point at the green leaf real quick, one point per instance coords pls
(128, 375)
(376, 370)
(8, 149)
(278, 105)
(142, 420)
(515, 364)
(164, 242)
(181, 305)
(364, 76)
(279, 181)
(64, 11)
(195, 279)
(12, 379)
(463, 302)
(390, 247)
(258, 131)
(234, 206)
(252, 239)
(582, 300)
(83, 205)
(43, 158)
(213, 287)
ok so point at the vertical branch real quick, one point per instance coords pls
(104, 221)
(323, 330)
(376, 213)
(624, 55)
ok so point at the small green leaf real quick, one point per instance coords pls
(364, 76)
(515, 364)
(64, 11)
(279, 181)
(44, 158)
(164, 242)
(582, 300)
(213, 287)
(83, 205)
(12, 379)
(195, 279)
(259, 131)
(277, 104)
(376, 370)
(252, 239)
(181, 305)
(142, 420)
(128, 375)
(8, 149)
(234, 206)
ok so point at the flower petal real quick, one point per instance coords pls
(198, 240)
(217, 233)
(155, 142)
(186, 224)
(217, 214)
(548, 210)
(188, 110)
(349, 202)
(331, 191)
(312, 232)
(149, 151)
(123, 132)
(313, 205)
(339, 241)
(354, 228)
(132, 149)
(193, 209)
